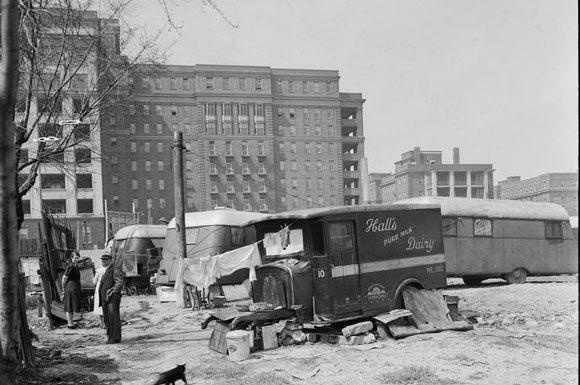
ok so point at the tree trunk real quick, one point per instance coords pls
(9, 55)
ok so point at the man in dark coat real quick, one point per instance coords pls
(110, 298)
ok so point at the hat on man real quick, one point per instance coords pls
(106, 256)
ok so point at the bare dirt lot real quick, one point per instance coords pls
(527, 334)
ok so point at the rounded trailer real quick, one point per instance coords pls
(208, 233)
(137, 250)
(505, 239)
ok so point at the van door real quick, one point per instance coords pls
(344, 268)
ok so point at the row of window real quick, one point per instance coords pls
(484, 227)
(57, 181)
(230, 186)
(240, 128)
(291, 112)
(229, 149)
(147, 147)
(298, 202)
(306, 130)
(229, 168)
(304, 86)
(58, 206)
(308, 183)
(308, 166)
(183, 83)
(148, 184)
(173, 110)
(158, 129)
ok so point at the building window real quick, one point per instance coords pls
(320, 183)
(173, 83)
(263, 205)
(245, 151)
(329, 87)
(282, 165)
(331, 165)
(316, 87)
(330, 130)
(132, 128)
(115, 200)
(242, 84)
(307, 166)
(318, 130)
(246, 185)
(292, 130)
(55, 206)
(294, 183)
(306, 113)
(329, 113)
(147, 165)
(245, 168)
(158, 110)
(292, 113)
(247, 204)
(294, 165)
(291, 86)
(185, 84)
(114, 159)
(133, 146)
(84, 181)
(188, 165)
(136, 203)
(161, 203)
(134, 184)
(261, 150)
(187, 128)
(261, 168)
(212, 168)
(226, 82)
(131, 109)
(52, 181)
(173, 110)
(228, 148)
(318, 148)
(304, 87)
(133, 165)
(157, 83)
(293, 148)
(147, 147)
(146, 109)
(308, 184)
(331, 148)
(190, 203)
(307, 148)
(229, 168)
(159, 129)
(317, 114)
(212, 148)
(320, 201)
(115, 179)
(161, 184)
(189, 183)
(309, 201)
(306, 130)
(148, 184)
(258, 82)
(319, 165)
(84, 206)
(113, 141)
(146, 128)
(209, 83)
(160, 165)
(159, 147)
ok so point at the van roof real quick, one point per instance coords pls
(494, 208)
(141, 231)
(324, 211)
(218, 218)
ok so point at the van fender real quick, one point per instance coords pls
(398, 302)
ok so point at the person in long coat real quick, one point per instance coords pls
(110, 291)
(71, 285)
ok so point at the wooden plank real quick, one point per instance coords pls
(428, 307)
(406, 331)
(217, 341)
(392, 315)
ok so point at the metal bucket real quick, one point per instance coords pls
(238, 345)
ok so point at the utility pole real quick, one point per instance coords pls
(179, 215)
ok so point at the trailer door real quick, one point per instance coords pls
(345, 268)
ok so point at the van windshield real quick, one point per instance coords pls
(284, 243)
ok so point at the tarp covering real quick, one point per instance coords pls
(203, 272)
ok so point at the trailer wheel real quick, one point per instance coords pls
(518, 276)
(472, 280)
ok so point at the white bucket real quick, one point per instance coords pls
(238, 345)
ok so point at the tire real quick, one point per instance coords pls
(472, 280)
(518, 276)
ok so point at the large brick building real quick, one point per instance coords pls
(557, 187)
(423, 173)
(257, 139)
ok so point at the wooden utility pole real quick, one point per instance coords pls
(179, 215)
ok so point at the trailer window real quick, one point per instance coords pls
(449, 226)
(237, 236)
(554, 230)
(284, 243)
(482, 227)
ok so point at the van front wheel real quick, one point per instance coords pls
(519, 275)
(472, 280)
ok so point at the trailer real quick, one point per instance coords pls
(505, 239)
(337, 264)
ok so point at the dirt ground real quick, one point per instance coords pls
(526, 334)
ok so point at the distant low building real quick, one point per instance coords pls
(560, 188)
(422, 173)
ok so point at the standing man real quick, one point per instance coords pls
(110, 298)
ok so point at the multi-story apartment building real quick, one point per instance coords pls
(257, 139)
(68, 183)
(422, 173)
(560, 188)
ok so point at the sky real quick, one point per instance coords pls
(496, 78)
